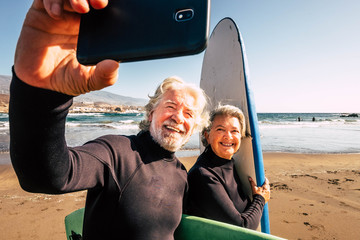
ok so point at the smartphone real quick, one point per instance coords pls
(136, 30)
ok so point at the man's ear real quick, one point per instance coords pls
(150, 115)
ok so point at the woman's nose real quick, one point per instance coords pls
(227, 134)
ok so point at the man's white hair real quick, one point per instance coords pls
(176, 83)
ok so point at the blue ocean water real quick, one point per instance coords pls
(314, 133)
(280, 132)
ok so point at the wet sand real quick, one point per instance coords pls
(314, 196)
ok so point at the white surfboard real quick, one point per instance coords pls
(225, 80)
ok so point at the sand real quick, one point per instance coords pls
(313, 197)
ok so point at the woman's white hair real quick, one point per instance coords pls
(224, 110)
(176, 83)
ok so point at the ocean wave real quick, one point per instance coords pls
(85, 114)
(190, 148)
(127, 127)
(128, 121)
(328, 134)
(4, 126)
(308, 124)
(110, 125)
(352, 121)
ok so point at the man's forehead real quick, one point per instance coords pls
(178, 97)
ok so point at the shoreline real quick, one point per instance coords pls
(5, 156)
(309, 191)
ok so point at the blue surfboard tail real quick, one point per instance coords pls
(257, 149)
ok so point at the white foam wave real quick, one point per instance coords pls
(127, 121)
(85, 114)
(308, 124)
(126, 127)
(73, 124)
(111, 125)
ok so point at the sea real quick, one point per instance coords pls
(280, 132)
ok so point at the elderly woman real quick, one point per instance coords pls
(215, 190)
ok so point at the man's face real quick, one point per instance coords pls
(173, 120)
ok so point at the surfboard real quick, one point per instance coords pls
(190, 228)
(225, 79)
(74, 224)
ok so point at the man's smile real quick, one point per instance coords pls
(175, 129)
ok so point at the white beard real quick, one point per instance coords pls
(171, 142)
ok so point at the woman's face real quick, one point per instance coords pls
(224, 136)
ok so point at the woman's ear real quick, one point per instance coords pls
(206, 135)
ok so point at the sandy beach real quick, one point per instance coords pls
(314, 196)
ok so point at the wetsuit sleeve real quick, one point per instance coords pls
(38, 150)
(212, 201)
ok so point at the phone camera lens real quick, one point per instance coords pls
(184, 15)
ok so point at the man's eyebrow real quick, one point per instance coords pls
(170, 101)
(192, 109)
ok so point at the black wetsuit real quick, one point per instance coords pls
(215, 193)
(135, 187)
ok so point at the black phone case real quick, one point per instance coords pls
(134, 30)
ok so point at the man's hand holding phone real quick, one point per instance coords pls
(45, 55)
(136, 30)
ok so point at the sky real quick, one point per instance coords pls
(303, 56)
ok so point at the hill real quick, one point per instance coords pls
(97, 98)
(110, 98)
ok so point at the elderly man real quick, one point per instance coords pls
(136, 185)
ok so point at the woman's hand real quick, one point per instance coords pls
(45, 55)
(264, 190)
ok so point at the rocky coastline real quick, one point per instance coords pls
(82, 107)
(350, 115)
(103, 108)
